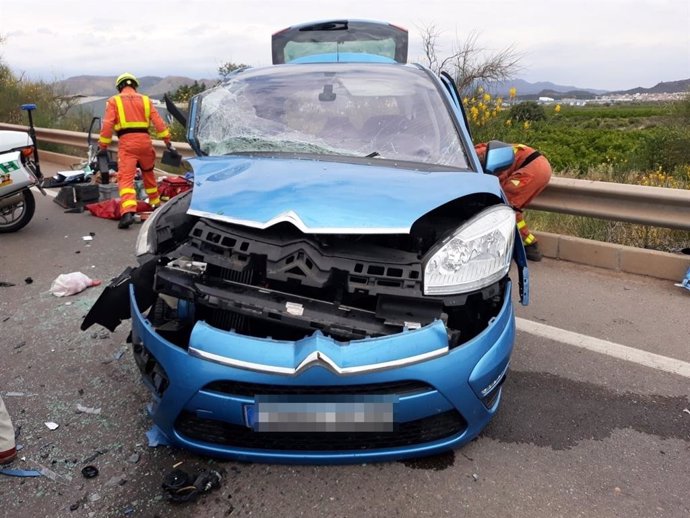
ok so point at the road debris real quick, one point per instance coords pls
(88, 410)
(51, 425)
(71, 283)
(180, 486)
(89, 471)
(685, 283)
(120, 352)
(51, 474)
(156, 437)
(91, 458)
(20, 472)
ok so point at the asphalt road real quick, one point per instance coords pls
(579, 433)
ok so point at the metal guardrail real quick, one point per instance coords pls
(645, 205)
(78, 140)
(655, 206)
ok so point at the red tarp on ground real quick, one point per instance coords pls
(110, 209)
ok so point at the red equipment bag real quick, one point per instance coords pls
(170, 186)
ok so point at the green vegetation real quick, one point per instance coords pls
(588, 141)
(642, 144)
(527, 111)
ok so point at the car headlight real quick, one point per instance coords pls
(146, 240)
(474, 256)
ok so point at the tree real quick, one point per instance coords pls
(468, 63)
(527, 111)
(185, 92)
(228, 68)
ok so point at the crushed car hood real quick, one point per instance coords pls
(324, 197)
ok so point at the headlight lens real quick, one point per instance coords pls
(146, 240)
(476, 255)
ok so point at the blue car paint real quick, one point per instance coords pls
(325, 197)
(457, 378)
(285, 355)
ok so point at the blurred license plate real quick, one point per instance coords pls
(323, 416)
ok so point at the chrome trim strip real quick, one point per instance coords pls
(316, 358)
(495, 382)
(291, 217)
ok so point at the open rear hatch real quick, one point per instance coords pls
(340, 40)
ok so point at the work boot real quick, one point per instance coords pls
(533, 252)
(126, 220)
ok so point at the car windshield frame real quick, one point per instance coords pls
(359, 110)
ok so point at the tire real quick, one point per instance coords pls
(16, 216)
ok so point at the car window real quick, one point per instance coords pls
(340, 38)
(389, 111)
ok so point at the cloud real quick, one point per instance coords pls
(594, 43)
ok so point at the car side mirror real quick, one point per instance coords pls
(499, 157)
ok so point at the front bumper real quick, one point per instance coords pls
(444, 398)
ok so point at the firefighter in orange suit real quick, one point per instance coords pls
(129, 115)
(521, 183)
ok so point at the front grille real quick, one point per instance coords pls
(428, 429)
(397, 388)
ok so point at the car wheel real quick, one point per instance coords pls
(17, 215)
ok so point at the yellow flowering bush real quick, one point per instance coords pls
(484, 114)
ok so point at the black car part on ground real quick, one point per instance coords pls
(181, 486)
(112, 306)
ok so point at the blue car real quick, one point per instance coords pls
(335, 288)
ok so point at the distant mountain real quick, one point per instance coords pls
(105, 85)
(668, 87)
(157, 86)
(525, 89)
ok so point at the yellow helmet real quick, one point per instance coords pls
(126, 79)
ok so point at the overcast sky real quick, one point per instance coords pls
(603, 44)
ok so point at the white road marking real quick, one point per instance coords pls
(623, 352)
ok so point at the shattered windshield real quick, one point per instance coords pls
(385, 111)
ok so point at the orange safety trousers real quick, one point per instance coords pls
(135, 149)
(522, 186)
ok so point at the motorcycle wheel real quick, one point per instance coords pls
(16, 216)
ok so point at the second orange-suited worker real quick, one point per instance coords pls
(521, 183)
(129, 115)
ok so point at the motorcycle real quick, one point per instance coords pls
(19, 171)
